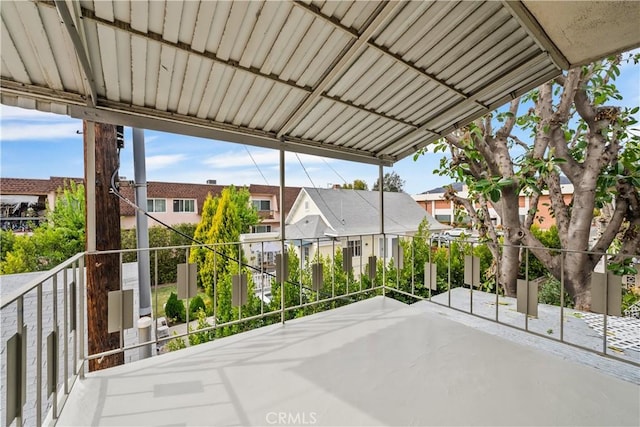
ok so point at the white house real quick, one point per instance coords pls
(327, 219)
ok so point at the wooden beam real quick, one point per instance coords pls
(103, 270)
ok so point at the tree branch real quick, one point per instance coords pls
(519, 142)
(570, 85)
(506, 129)
(533, 209)
(541, 252)
(560, 210)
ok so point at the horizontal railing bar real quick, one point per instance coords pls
(337, 297)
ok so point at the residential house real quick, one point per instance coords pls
(433, 201)
(322, 220)
(23, 202)
(170, 202)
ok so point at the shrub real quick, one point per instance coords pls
(176, 343)
(168, 259)
(549, 293)
(174, 308)
(196, 304)
(203, 336)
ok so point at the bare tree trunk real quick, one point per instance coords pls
(577, 279)
(509, 269)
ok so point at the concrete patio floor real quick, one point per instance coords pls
(375, 362)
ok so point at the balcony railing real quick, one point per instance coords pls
(44, 333)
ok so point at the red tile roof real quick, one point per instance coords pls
(155, 189)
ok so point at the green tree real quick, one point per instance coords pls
(357, 184)
(198, 253)
(390, 182)
(573, 134)
(168, 259)
(54, 241)
(223, 255)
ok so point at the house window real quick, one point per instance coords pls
(156, 205)
(356, 247)
(305, 254)
(261, 205)
(261, 228)
(184, 205)
(445, 219)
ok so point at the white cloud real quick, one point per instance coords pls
(39, 131)
(16, 113)
(163, 161)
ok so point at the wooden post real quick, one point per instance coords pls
(103, 271)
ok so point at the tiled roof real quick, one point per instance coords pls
(35, 187)
(155, 189)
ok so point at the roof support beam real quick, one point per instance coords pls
(529, 23)
(88, 14)
(183, 125)
(81, 52)
(353, 50)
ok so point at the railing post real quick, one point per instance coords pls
(526, 297)
(39, 356)
(449, 274)
(333, 268)
(471, 285)
(65, 332)
(498, 284)
(262, 277)
(413, 265)
(562, 296)
(283, 267)
(81, 328)
(606, 304)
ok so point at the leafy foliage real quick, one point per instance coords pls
(176, 343)
(391, 181)
(573, 133)
(167, 259)
(54, 241)
(196, 304)
(198, 336)
(357, 184)
(224, 219)
(174, 309)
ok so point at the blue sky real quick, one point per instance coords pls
(40, 145)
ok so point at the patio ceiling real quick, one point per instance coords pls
(364, 81)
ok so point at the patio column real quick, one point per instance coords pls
(283, 266)
(384, 240)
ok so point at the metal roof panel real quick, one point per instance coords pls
(366, 81)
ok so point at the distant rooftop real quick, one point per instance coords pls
(458, 186)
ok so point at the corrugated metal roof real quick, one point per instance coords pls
(367, 81)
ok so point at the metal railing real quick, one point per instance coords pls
(329, 272)
(42, 331)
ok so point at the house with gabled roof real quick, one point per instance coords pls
(322, 219)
